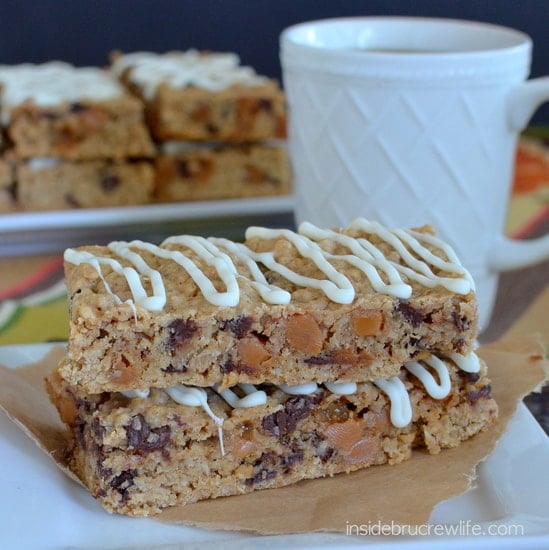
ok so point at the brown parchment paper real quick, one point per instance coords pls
(405, 493)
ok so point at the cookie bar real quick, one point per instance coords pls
(219, 172)
(57, 110)
(7, 188)
(346, 305)
(53, 184)
(200, 96)
(173, 446)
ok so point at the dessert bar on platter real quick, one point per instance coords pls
(203, 96)
(78, 113)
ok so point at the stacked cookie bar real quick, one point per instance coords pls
(218, 124)
(202, 368)
(74, 138)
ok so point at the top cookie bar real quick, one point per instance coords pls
(58, 110)
(202, 96)
(282, 307)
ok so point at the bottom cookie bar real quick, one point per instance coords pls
(140, 454)
(216, 172)
(50, 184)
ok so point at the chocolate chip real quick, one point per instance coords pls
(228, 366)
(265, 104)
(417, 343)
(289, 460)
(324, 359)
(103, 471)
(334, 357)
(83, 404)
(472, 377)
(266, 464)
(77, 107)
(196, 168)
(78, 431)
(98, 428)
(174, 369)
(269, 464)
(410, 313)
(123, 482)
(183, 169)
(482, 393)
(261, 476)
(458, 345)
(50, 115)
(71, 200)
(239, 326)
(11, 191)
(322, 448)
(109, 182)
(296, 408)
(179, 331)
(460, 322)
(141, 437)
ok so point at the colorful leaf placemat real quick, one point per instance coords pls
(529, 205)
(33, 305)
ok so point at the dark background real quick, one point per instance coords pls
(83, 32)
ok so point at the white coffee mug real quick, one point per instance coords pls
(410, 121)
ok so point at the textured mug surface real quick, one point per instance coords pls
(410, 121)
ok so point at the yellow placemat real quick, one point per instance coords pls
(33, 302)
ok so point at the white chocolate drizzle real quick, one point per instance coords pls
(136, 393)
(401, 409)
(209, 71)
(385, 275)
(157, 300)
(341, 388)
(437, 390)
(54, 83)
(210, 254)
(299, 389)
(337, 287)
(270, 293)
(467, 363)
(402, 240)
(252, 396)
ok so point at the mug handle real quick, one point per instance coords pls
(508, 254)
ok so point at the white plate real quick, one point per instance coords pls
(41, 508)
(32, 232)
